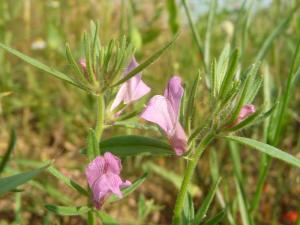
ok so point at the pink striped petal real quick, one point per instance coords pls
(132, 90)
(174, 92)
(160, 111)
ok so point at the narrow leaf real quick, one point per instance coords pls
(130, 189)
(173, 14)
(68, 181)
(216, 219)
(188, 210)
(42, 66)
(12, 182)
(106, 219)
(170, 176)
(147, 62)
(68, 210)
(206, 203)
(10, 148)
(268, 149)
(130, 145)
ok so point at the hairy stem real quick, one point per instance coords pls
(188, 176)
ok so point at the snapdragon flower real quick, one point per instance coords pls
(103, 175)
(164, 111)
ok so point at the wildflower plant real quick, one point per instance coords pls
(111, 75)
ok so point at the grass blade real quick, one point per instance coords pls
(10, 148)
(206, 203)
(217, 218)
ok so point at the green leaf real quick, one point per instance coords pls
(191, 101)
(68, 181)
(10, 148)
(230, 73)
(173, 14)
(188, 210)
(216, 219)
(245, 216)
(12, 182)
(74, 64)
(268, 149)
(147, 62)
(221, 68)
(135, 125)
(130, 145)
(248, 89)
(68, 210)
(130, 189)
(42, 66)
(206, 203)
(106, 219)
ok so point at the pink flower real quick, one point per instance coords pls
(164, 111)
(132, 90)
(103, 175)
(82, 63)
(246, 111)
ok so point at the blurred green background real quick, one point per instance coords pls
(52, 118)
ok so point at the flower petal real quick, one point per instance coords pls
(113, 163)
(174, 92)
(160, 111)
(179, 140)
(136, 89)
(95, 169)
(133, 89)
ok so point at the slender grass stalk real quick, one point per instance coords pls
(188, 176)
(195, 33)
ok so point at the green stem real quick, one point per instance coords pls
(99, 119)
(188, 176)
(91, 218)
(98, 133)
